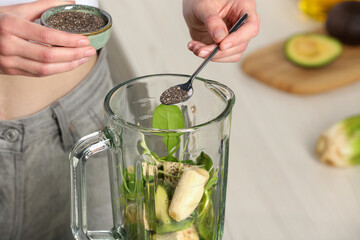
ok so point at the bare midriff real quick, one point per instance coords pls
(22, 96)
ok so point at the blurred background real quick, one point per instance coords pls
(277, 187)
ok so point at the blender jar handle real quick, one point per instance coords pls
(81, 152)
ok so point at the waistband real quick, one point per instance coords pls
(55, 117)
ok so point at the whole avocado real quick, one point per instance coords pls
(343, 22)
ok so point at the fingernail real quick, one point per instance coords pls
(89, 52)
(196, 49)
(62, 2)
(203, 53)
(226, 46)
(219, 35)
(83, 42)
(190, 45)
(83, 60)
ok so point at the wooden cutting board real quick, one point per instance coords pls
(270, 66)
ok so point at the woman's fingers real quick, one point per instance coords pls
(13, 25)
(30, 49)
(33, 10)
(13, 64)
(214, 24)
(13, 46)
(202, 50)
(208, 22)
(246, 32)
(16, 72)
(38, 7)
(232, 58)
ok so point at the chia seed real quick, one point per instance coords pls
(76, 22)
(174, 95)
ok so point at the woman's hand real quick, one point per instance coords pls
(209, 22)
(25, 47)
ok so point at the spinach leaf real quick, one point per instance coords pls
(210, 183)
(205, 161)
(190, 162)
(145, 149)
(168, 117)
(130, 186)
(171, 159)
(205, 216)
(134, 231)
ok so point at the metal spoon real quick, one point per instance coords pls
(182, 92)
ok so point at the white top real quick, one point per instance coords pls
(94, 3)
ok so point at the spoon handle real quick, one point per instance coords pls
(212, 54)
(238, 23)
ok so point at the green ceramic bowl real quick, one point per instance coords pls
(97, 38)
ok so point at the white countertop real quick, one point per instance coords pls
(277, 189)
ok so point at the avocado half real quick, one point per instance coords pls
(312, 50)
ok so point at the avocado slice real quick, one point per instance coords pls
(164, 222)
(312, 50)
(162, 205)
(174, 226)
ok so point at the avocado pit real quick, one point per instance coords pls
(343, 22)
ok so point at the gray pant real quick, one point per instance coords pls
(34, 165)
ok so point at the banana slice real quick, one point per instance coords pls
(188, 193)
(173, 169)
(187, 234)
